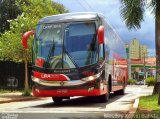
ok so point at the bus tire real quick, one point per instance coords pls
(121, 91)
(57, 100)
(105, 97)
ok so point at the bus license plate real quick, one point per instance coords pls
(62, 91)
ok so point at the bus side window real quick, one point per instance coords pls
(101, 52)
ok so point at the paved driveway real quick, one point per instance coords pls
(78, 107)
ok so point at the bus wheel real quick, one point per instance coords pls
(57, 100)
(105, 97)
(120, 92)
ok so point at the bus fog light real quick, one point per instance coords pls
(35, 79)
(90, 89)
(37, 90)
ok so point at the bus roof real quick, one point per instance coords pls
(68, 17)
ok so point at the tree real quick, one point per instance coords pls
(10, 41)
(132, 12)
(8, 10)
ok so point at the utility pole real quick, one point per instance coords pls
(128, 61)
(144, 64)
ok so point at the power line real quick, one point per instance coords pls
(88, 5)
(81, 4)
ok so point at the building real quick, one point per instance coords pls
(134, 49)
(143, 51)
(138, 67)
(142, 66)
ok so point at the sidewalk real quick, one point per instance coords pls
(145, 92)
(14, 97)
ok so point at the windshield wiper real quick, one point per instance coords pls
(65, 51)
(50, 51)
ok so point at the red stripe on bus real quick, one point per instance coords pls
(50, 77)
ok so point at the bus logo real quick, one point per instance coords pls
(62, 83)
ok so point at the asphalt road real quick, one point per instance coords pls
(76, 107)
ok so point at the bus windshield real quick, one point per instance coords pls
(80, 43)
(66, 45)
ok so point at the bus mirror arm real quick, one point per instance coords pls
(25, 38)
(101, 35)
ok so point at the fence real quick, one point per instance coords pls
(12, 75)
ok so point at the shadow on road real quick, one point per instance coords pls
(81, 102)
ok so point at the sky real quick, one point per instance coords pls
(111, 9)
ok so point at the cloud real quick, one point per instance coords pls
(111, 9)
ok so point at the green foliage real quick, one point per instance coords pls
(149, 103)
(32, 11)
(8, 10)
(26, 92)
(131, 82)
(9, 91)
(150, 81)
(59, 7)
(132, 13)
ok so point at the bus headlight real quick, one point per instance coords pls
(36, 80)
(90, 78)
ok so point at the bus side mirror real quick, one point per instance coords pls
(101, 35)
(25, 38)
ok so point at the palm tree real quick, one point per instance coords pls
(132, 12)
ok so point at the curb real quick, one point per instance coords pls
(19, 99)
(133, 110)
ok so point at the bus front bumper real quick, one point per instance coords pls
(66, 92)
(84, 87)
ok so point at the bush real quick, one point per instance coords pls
(26, 92)
(131, 82)
(150, 81)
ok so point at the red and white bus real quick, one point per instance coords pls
(77, 54)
